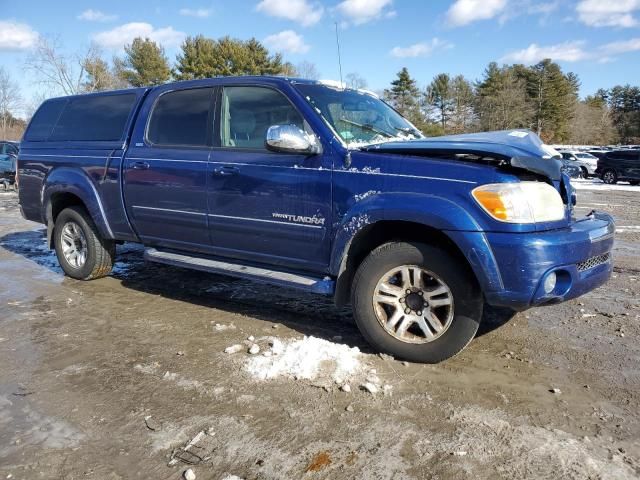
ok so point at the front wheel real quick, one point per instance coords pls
(416, 302)
(584, 173)
(610, 177)
(82, 253)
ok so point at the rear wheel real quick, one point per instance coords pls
(416, 302)
(82, 253)
(610, 177)
(635, 182)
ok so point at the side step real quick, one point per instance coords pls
(324, 286)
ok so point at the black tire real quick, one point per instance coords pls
(610, 177)
(635, 182)
(584, 172)
(467, 300)
(100, 253)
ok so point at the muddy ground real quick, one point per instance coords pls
(114, 378)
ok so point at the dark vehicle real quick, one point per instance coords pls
(620, 165)
(8, 159)
(306, 185)
(599, 154)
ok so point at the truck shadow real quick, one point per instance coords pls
(308, 314)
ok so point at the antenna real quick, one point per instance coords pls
(339, 59)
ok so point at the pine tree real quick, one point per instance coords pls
(501, 100)
(553, 95)
(463, 96)
(196, 59)
(204, 57)
(145, 63)
(439, 95)
(404, 96)
(624, 102)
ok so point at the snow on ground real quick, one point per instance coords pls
(307, 359)
(597, 184)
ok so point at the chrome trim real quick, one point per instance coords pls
(27, 155)
(407, 176)
(166, 159)
(168, 210)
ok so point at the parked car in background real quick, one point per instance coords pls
(620, 165)
(585, 161)
(571, 169)
(8, 158)
(599, 154)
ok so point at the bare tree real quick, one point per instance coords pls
(10, 102)
(58, 72)
(307, 70)
(356, 81)
(592, 124)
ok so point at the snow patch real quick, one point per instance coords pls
(307, 359)
(599, 185)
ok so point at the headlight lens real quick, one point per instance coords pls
(522, 202)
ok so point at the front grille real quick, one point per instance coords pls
(593, 262)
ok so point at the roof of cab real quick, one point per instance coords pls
(269, 79)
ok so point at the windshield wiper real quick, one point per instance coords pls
(407, 130)
(367, 127)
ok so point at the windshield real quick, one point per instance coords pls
(357, 117)
(585, 155)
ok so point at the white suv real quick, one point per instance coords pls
(588, 163)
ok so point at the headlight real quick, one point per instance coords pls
(522, 202)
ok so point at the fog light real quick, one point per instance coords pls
(550, 282)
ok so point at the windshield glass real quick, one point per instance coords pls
(358, 118)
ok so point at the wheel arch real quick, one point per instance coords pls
(66, 187)
(374, 223)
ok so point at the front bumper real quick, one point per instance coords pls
(579, 255)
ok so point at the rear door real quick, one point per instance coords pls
(165, 179)
(267, 207)
(633, 169)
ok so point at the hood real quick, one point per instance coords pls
(521, 149)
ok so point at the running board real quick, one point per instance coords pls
(324, 286)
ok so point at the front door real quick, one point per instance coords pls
(267, 207)
(165, 171)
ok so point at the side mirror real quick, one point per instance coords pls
(291, 139)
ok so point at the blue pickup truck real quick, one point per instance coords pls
(307, 185)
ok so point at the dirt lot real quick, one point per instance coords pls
(126, 377)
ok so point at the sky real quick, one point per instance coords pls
(597, 39)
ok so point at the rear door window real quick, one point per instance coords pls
(181, 117)
(623, 155)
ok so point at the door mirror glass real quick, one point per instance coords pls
(291, 139)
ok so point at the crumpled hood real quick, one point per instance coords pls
(518, 148)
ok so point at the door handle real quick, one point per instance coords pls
(225, 171)
(140, 165)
